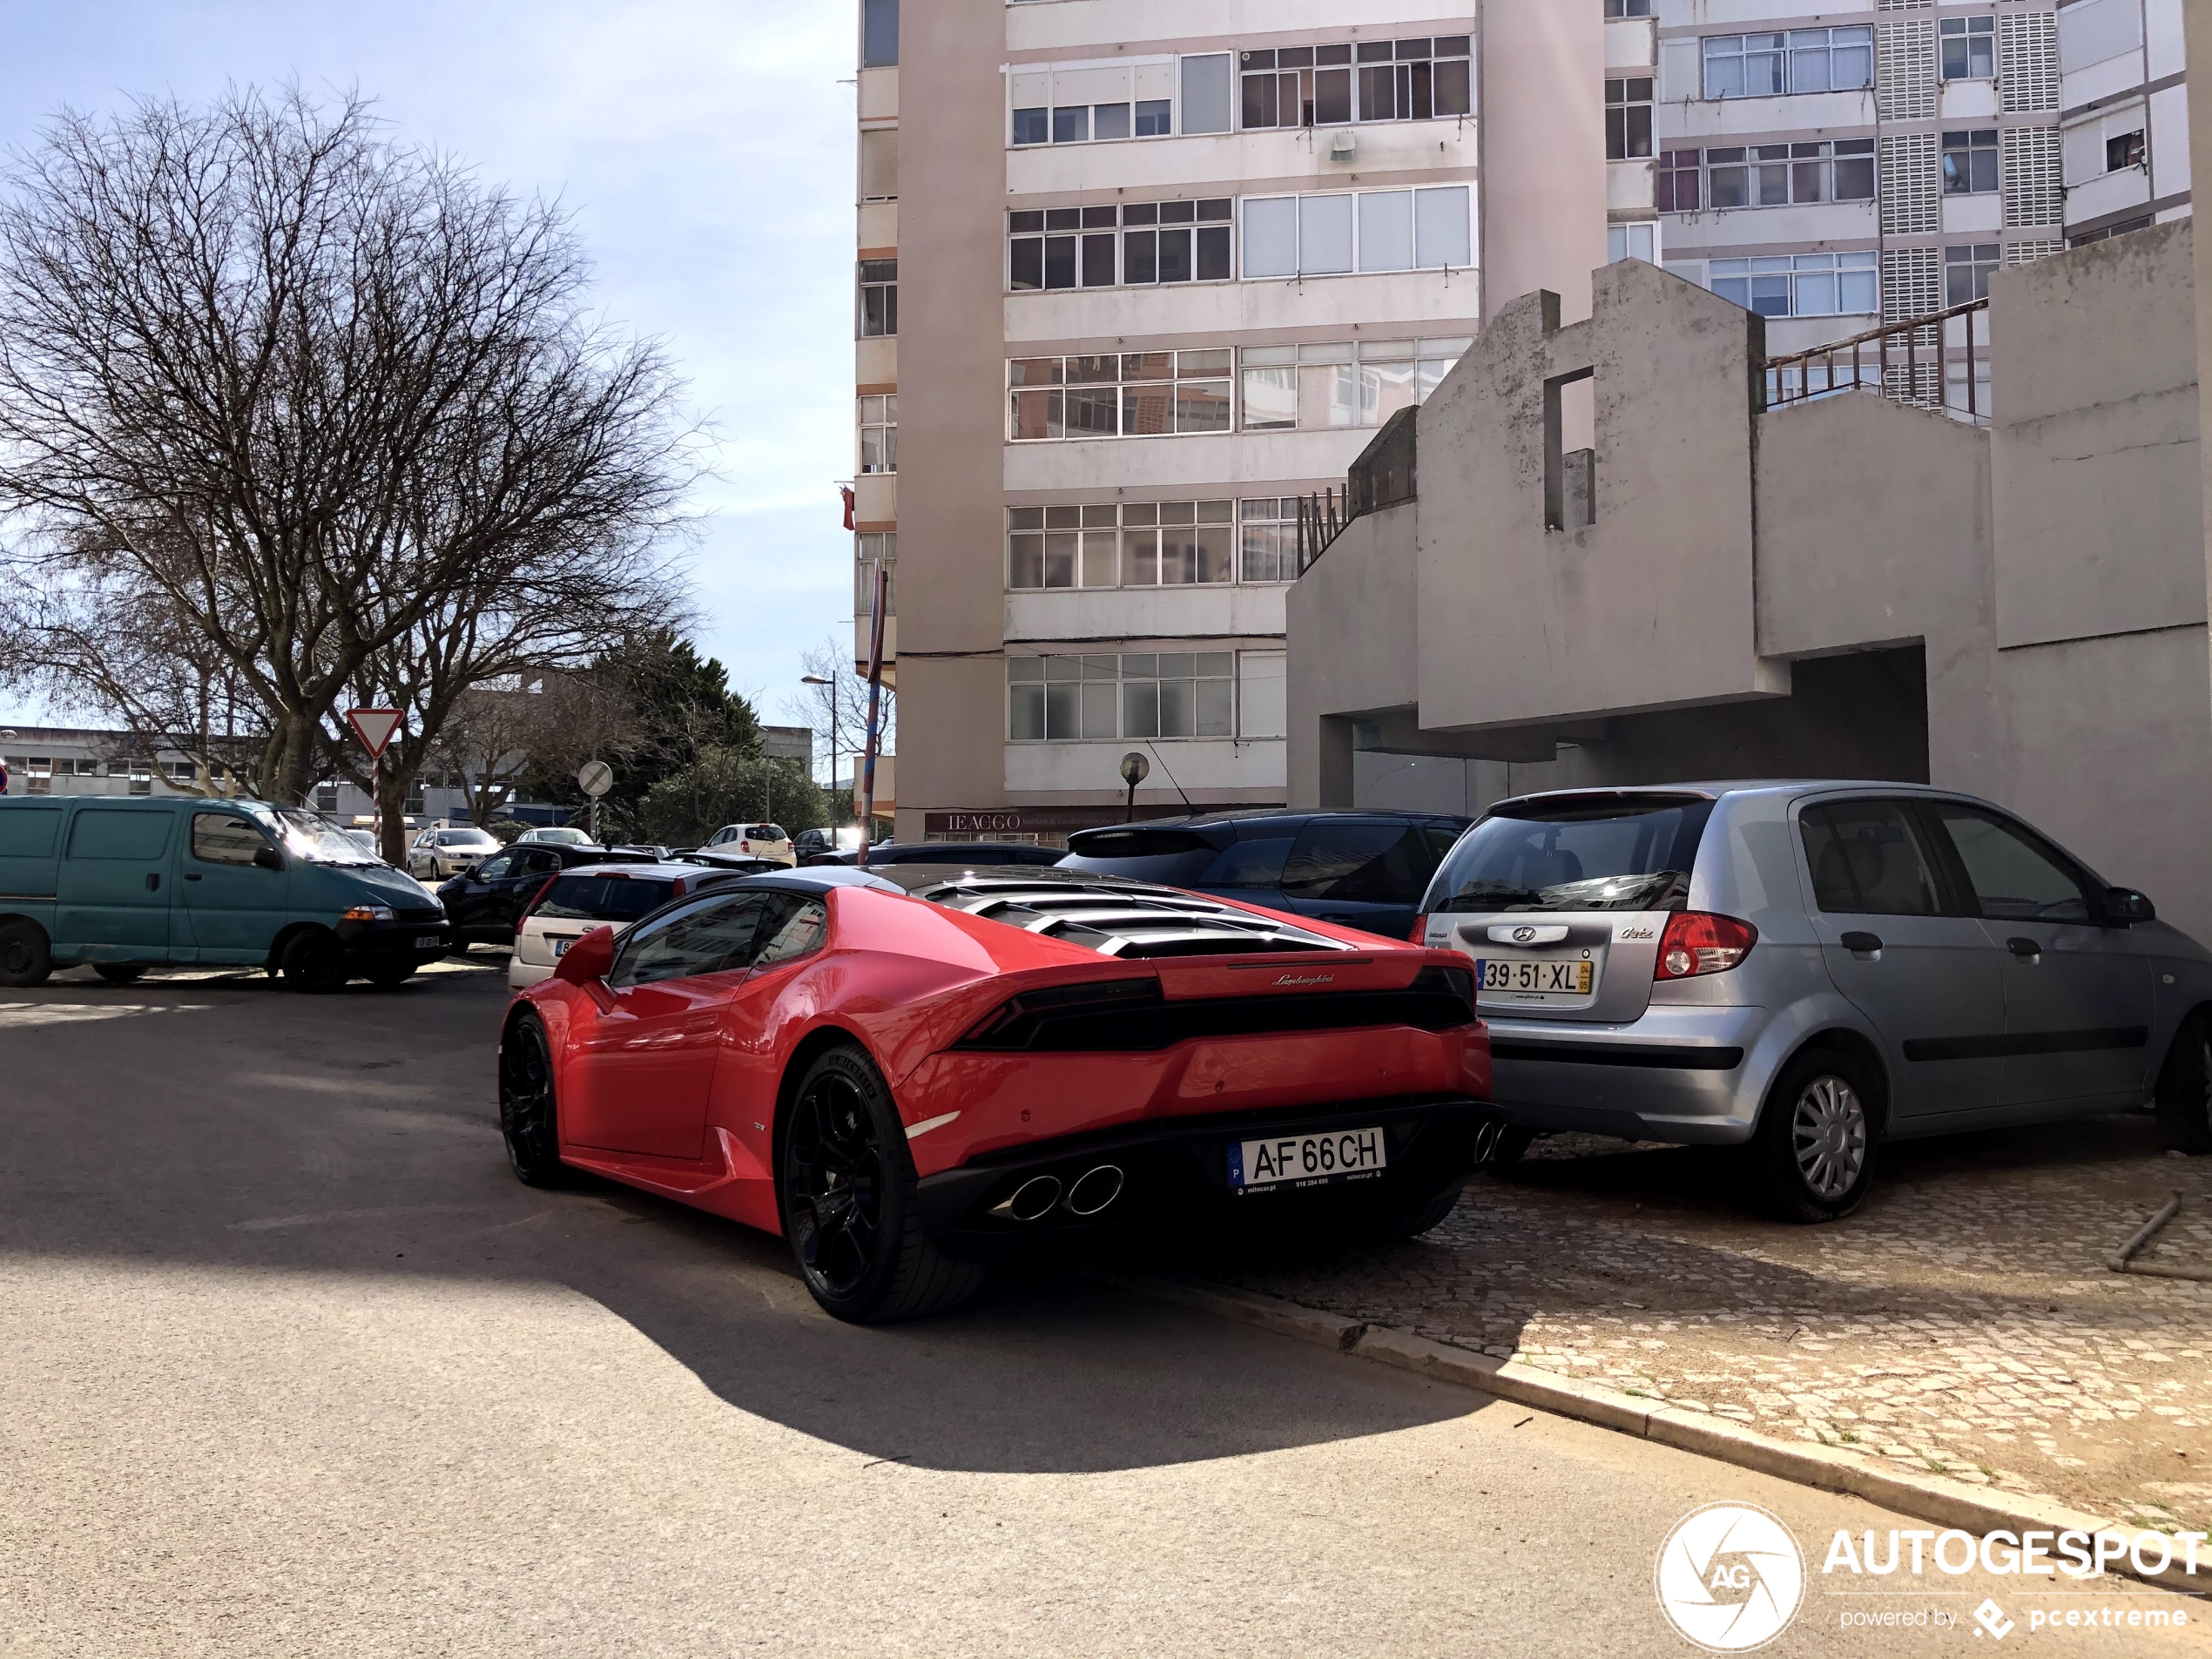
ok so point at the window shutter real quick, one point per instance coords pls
(1911, 283)
(2034, 193)
(1910, 204)
(880, 165)
(2028, 252)
(2027, 61)
(1906, 70)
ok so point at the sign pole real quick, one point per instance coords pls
(875, 695)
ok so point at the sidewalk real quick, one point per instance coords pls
(1963, 1322)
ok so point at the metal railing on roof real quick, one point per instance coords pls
(1909, 361)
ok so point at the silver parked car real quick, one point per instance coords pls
(1812, 969)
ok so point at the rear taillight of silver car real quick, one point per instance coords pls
(1696, 942)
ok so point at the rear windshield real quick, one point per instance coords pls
(1173, 857)
(604, 898)
(764, 833)
(1606, 855)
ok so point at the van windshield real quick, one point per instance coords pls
(305, 836)
(1603, 854)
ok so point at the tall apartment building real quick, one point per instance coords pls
(1133, 275)
(1836, 166)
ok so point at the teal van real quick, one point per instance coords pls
(127, 885)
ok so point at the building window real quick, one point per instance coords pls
(2123, 150)
(1399, 80)
(879, 33)
(1137, 243)
(1032, 126)
(870, 547)
(879, 433)
(1628, 118)
(1267, 550)
(1778, 175)
(1341, 385)
(1798, 60)
(879, 298)
(1125, 544)
(1168, 694)
(141, 775)
(1127, 395)
(1969, 49)
(1965, 272)
(1627, 8)
(1638, 240)
(1380, 230)
(1206, 94)
(1678, 182)
(1803, 285)
(2106, 232)
(326, 797)
(1969, 162)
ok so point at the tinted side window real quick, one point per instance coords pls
(111, 835)
(713, 938)
(1867, 860)
(497, 864)
(29, 831)
(1356, 862)
(1252, 864)
(791, 927)
(217, 837)
(2014, 877)
(538, 861)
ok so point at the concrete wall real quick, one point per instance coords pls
(1543, 201)
(1352, 617)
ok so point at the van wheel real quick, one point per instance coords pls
(119, 973)
(2185, 1090)
(25, 958)
(315, 961)
(1814, 1147)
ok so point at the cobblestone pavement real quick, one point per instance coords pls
(1964, 1321)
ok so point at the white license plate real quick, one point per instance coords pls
(1535, 978)
(427, 941)
(1306, 1160)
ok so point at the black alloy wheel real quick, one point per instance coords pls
(315, 961)
(25, 957)
(528, 1116)
(847, 1188)
(2185, 1088)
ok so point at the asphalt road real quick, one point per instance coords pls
(290, 1364)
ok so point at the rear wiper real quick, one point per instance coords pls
(1490, 896)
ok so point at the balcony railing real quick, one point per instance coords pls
(1910, 361)
(1384, 476)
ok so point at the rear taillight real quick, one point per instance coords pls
(1013, 1024)
(1697, 942)
(1419, 935)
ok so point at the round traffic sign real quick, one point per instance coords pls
(595, 777)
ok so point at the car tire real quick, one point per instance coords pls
(26, 959)
(847, 1192)
(2185, 1088)
(529, 1112)
(315, 962)
(389, 976)
(119, 973)
(1813, 1150)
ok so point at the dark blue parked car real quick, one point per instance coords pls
(1359, 869)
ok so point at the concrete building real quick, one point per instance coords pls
(1845, 587)
(2124, 101)
(1133, 276)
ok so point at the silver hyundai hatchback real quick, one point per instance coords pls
(1812, 969)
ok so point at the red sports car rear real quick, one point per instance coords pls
(911, 1072)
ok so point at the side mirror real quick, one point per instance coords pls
(268, 859)
(2124, 907)
(591, 958)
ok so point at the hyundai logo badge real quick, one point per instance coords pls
(1523, 936)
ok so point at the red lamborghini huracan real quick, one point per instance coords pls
(907, 1072)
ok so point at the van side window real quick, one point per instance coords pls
(110, 832)
(1867, 860)
(217, 837)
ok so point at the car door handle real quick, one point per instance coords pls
(2027, 949)
(153, 883)
(189, 876)
(1861, 942)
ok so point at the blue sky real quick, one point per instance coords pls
(707, 150)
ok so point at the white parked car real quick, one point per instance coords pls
(596, 895)
(555, 834)
(439, 854)
(753, 841)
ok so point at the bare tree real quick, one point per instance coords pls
(309, 395)
(833, 703)
(496, 734)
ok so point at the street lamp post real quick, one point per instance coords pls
(817, 679)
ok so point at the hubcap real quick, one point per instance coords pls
(1828, 1134)
(833, 1180)
(526, 1101)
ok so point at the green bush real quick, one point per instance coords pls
(728, 786)
(505, 829)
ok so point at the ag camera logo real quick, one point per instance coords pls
(1731, 1577)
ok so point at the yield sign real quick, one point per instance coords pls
(374, 727)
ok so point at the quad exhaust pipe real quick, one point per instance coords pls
(1487, 1137)
(1040, 1194)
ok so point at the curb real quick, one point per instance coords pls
(1827, 1468)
